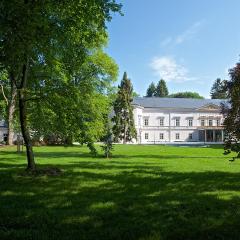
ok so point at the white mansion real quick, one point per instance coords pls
(169, 120)
(172, 120)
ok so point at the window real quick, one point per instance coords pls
(190, 122)
(146, 136)
(177, 136)
(161, 136)
(218, 122)
(210, 122)
(190, 136)
(145, 121)
(202, 122)
(177, 122)
(161, 121)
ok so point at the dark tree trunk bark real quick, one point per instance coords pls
(31, 166)
(11, 111)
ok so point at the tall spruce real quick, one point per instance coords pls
(151, 91)
(218, 90)
(161, 89)
(124, 128)
(231, 110)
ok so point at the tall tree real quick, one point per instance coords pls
(231, 110)
(46, 33)
(161, 89)
(74, 110)
(218, 90)
(186, 95)
(151, 91)
(124, 128)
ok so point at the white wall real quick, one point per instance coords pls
(154, 129)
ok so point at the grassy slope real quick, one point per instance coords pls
(144, 192)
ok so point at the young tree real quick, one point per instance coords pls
(161, 89)
(151, 91)
(35, 35)
(124, 128)
(186, 95)
(231, 110)
(218, 90)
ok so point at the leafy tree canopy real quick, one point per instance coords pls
(186, 95)
(43, 45)
(231, 110)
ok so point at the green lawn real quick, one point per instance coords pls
(144, 192)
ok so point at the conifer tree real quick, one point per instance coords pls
(151, 91)
(161, 89)
(218, 90)
(124, 128)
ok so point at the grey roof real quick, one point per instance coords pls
(157, 102)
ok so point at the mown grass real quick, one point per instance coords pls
(142, 193)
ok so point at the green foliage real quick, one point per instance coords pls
(4, 92)
(231, 110)
(151, 91)
(75, 107)
(161, 89)
(52, 51)
(124, 128)
(219, 89)
(186, 95)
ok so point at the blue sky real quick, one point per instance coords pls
(188, 43)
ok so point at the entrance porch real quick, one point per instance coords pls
(211, 135)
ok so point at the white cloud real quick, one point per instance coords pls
(186, 35)
(168, 69)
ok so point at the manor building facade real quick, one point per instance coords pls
(178, 120)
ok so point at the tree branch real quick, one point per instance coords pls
(4, 95)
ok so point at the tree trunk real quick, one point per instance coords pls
(31, 166)
(11, 111)
(125, 134)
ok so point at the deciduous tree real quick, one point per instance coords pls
(35, 35)
(231, 110)
(186, 95)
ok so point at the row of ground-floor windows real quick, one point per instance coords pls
(161, 136)
(203, 136)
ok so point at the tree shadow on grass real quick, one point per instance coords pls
(128, 202)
